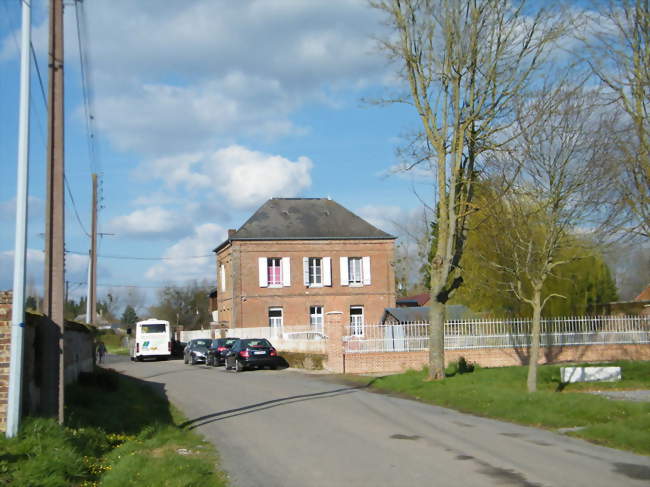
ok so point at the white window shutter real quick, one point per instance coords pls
(366, 271)
(223, 277)
(344, 271)
(286, 271)
(327, 271)
(305, 270)
(264, 278)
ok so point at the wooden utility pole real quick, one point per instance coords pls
(92, 294)
(53, 377)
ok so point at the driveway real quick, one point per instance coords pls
(285, 428)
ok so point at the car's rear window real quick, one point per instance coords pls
(262, 343)
(154, 328)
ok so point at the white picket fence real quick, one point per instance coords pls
(486, 333)
(306, 339)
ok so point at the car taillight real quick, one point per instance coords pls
(222, 349)
(244, 353)
(169, 347)
(137, 347)
(273, 353)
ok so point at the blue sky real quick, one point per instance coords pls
(203, 110)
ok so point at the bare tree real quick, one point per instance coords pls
(616, 46)
(465, 63)
(551, 213)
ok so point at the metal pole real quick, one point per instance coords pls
(89, 285)
(92, 296)
(20, 248)
(53, 376)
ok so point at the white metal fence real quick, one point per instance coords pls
(484, 333)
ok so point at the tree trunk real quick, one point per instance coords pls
(535, 338)
(436, 338)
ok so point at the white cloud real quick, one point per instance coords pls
(248, 178)
(244, 177)
(183, 263)
(186, 75)
(153, 221)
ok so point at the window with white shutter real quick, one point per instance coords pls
(262, 263)
(222, 276)
(274, 271)
(327, 271)
(344, 271)
(366, 271)
(286, 271)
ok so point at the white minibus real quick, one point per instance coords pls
(152, 338)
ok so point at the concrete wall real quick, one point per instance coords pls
(78, 357)
(245, 304)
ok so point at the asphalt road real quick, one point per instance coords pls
(285, 428)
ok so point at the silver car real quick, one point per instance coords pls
(196, 351)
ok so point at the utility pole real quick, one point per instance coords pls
(53, 377)
(14, 399)
(91, 303)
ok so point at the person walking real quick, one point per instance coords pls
(101, 351)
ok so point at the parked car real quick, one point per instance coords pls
(251, 352)
(218, 349)
(196, 350)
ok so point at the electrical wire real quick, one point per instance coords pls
(127, 257)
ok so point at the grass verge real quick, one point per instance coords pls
(118, 432)
(501, 393)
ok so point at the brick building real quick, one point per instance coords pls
(296, 259)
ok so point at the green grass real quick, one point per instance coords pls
(118, 432)
(113, 342)
(501, 393)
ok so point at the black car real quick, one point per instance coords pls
(251, 352)
(196, 350)
(218, 349)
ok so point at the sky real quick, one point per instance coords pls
(202, 110)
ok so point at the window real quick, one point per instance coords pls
(316, 318)
(222, 269)
(275, 321)
(355, 271)
(274, 271)
(356, 320)
(317, 271)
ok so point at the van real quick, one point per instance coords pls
(152, 338)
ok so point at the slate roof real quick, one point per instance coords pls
(304, 219)
(421, 313)
(408, 315)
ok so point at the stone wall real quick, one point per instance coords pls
(79, 357)
(5, 352)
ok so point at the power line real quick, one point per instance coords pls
(86, 84)
(74, 205)
(127, 257)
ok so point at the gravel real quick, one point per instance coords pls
(637, 396)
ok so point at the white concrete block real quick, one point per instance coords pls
(590, 374)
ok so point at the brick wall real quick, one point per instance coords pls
(245, 304)
(5, 344)
(360, 363)
(79, 356)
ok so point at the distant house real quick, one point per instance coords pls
(420, 314)
(639, 306)
(295, 259)
(410, 314)
(412, 301)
